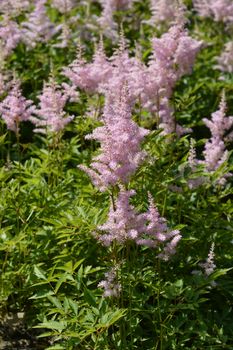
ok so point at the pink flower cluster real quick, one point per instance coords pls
(165, 12)
(13, 7)
(15, 108)
(215, 153)
(10, 36)
(220, 10)
(148, 229)
(64, 6)
(50, 116)
(111, 286)
(225, 60)
(109, 7)
(209, 265)
(173, 56)
(120, 139)
(38, 27)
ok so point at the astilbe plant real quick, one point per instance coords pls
(64, 39)
(15, 108)
(110, 284)
(13, 8)
(89, 76)
(64, 6)
(225, 60)
(215, 152)
(38, 27)
(149, 229)
(50, 116)
(220, 10)
(120, 138)
(165, 12)
(109, 7)
(173, 56)
(209, 266)
(10, 36)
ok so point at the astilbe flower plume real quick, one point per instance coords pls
(10, 36)
(15, 108)
(220, 10)
(50, 116)
(149, 229)
(173, 56)
(89, 76)
(38, 27)
(209, 265)
(110, 284)
(109, 7)
(64, 38)
(64, 6)
(125, 69)
(165, 12)
(13, 8)
(120, 138)
(225, 60)
(215, 152)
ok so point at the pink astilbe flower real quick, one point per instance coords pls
(123, 223)
(38, 27)
(64, 6)
(64, 38)
(225, 60)
(203, 7)
(157, 232)
(120, 138)
(220, 10)
(109, 7)
(89, 76)
(110, 284)
(125, 69)
(149, 229)
(10, 36)
(103, 75)
(209, 266)
(215, 153)
(15, 108)
(165, 12)
(13, 8)
(51, 115)
(173, 56)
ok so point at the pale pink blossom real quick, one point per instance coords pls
(225, 60)
(120, 140)
(38, 27)
(89, 76)
(166, 12)
(64, 6)
(220, 10)
(50, 116)
(109, 7)
(149, 229)
(215, 152)
(15, 108)
(110, 284)
(209, 266)
(10, 36)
